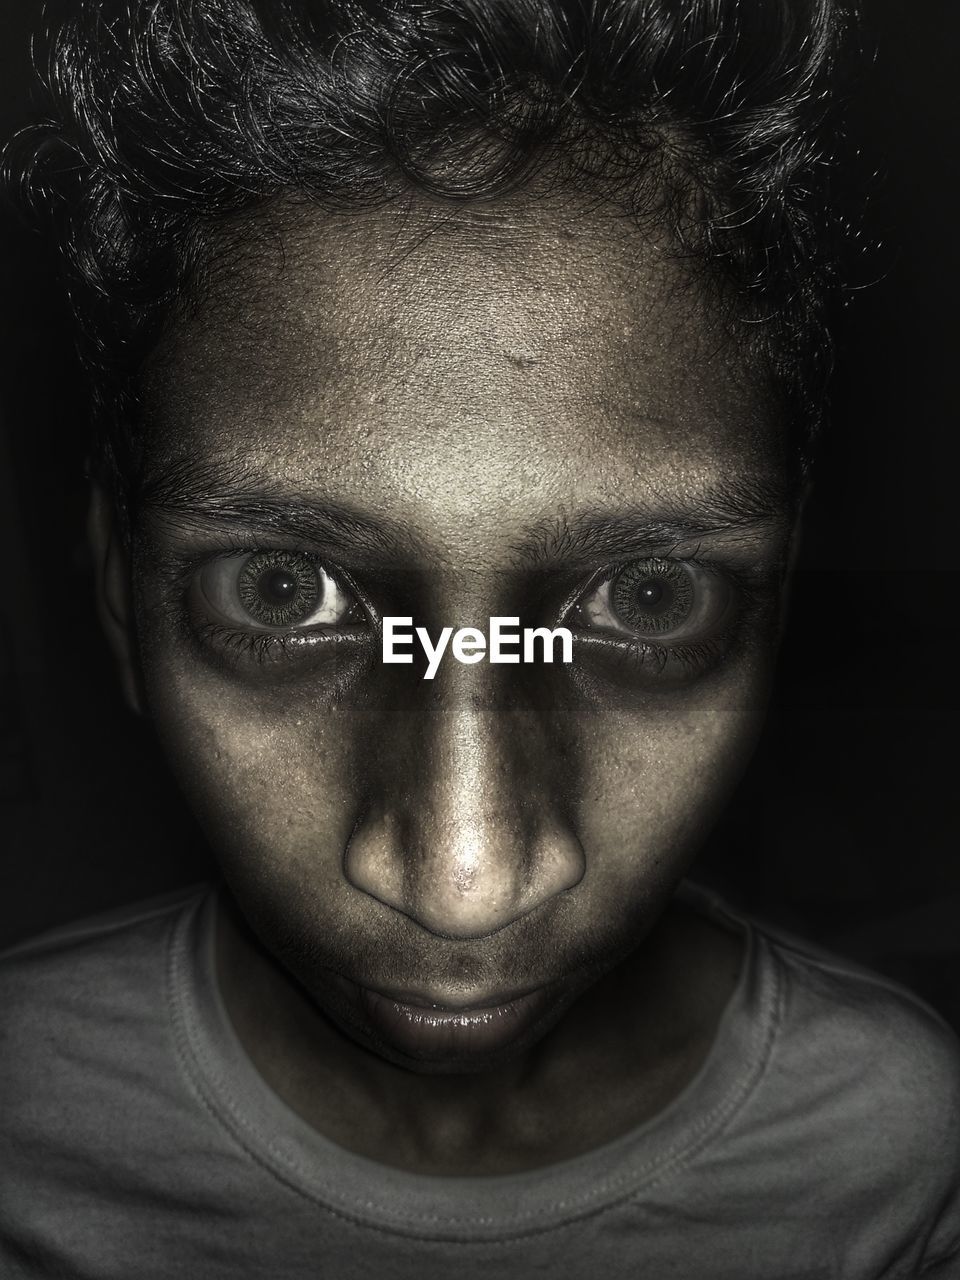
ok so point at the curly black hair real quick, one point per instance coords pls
(164, 116)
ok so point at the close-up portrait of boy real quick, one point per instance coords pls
(454, 372)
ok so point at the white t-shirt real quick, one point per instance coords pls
(820, 1139)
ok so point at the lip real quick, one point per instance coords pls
(438, 1032)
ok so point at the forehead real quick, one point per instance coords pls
(454, 360)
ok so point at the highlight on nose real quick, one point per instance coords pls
(463, 879)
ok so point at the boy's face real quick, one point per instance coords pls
(452, 415)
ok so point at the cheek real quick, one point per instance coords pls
(269, 776)
(655, 776)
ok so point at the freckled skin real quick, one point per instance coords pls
(465, 374)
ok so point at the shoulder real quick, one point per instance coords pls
(865, 1031)
(853, 1110)
(88, 1041)
(93, 940)
(67, 989)
(104, 924)
(96, 1114)
(840, 1026)
(871, 1075)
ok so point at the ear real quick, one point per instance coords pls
(114, 593)
(793, 552)
(796, 535)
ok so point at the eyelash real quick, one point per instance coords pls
(693, 658)
(260, 646)
(257, 644)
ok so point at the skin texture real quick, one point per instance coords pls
(471, 390)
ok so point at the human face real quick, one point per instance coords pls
(520, 410)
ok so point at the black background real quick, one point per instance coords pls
(846, 827)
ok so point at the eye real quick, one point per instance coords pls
(275, 591)
(663, 601)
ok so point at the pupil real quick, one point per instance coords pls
(650, 593)
(278, 586)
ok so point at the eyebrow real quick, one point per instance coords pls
(196, 492)
(747, 506)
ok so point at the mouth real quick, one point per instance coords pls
(436, 1032)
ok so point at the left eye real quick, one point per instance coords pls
(664, 601)
(275, 591)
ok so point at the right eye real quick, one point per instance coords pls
(659, 601)
(276, 591)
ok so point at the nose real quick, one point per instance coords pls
(462, 831)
